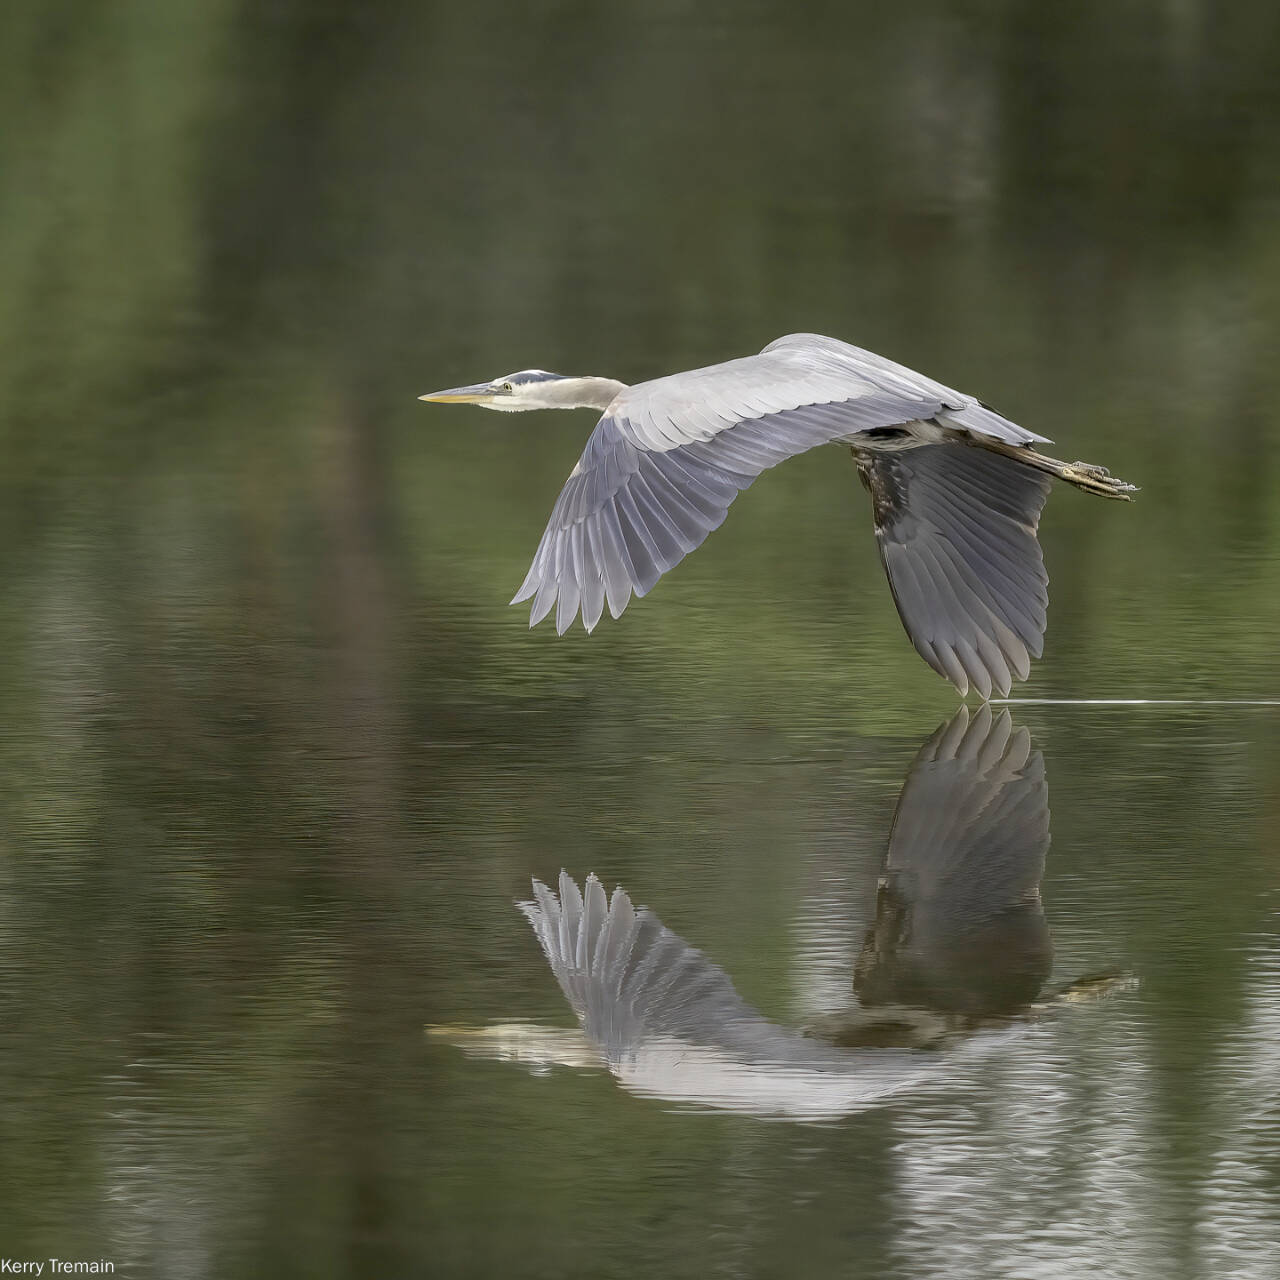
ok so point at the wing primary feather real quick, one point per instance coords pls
(954, 668)
(646, 558)
(529, 587)
(619, 574)
(976, 669)
(543, 602)
(660, 524)
(550, 931)
(593, 589)
(594, 911)
(570, 917)
(993, 660)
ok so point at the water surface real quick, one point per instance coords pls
(277, 762)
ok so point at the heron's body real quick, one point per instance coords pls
(956, 489)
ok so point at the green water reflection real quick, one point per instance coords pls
(276, 758)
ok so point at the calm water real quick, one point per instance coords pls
(277, 762)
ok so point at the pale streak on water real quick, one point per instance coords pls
(1031, 1172)
(826, 918)
(1238, 1223)
(1133, 702)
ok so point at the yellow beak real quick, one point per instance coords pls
(477, 393)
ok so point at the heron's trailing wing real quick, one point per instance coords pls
(957, 532)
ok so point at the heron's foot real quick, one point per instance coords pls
(528, 1042)
(1094, 986)
(1097, 479)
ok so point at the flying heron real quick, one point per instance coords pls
(956, 489)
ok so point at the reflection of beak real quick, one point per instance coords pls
(478, 393)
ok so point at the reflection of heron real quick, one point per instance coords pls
(669, 1023)
(959, 944)
(956, 489)
(959, 923)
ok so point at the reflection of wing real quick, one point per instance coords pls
(959, 924)
(628, 976)
(671, 1025)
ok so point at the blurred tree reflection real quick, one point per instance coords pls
(261, 687)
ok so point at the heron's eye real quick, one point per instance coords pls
(506, 386)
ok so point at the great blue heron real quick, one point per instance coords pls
(956, 489)
(958, 948)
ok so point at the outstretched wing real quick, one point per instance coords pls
(630, 980)
(957, 532)
(669, 456)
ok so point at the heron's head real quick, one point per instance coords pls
(532, 389)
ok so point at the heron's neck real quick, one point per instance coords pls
(582, 393)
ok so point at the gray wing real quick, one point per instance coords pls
(671, 1025)
(631, 981)
(669, 456)
(971, 828)
(957, 532)
(959, 922)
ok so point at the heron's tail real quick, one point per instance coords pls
(1084, 475)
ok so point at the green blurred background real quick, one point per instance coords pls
(276, 756)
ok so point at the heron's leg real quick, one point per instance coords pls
(863, 462)
(1084, 475)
